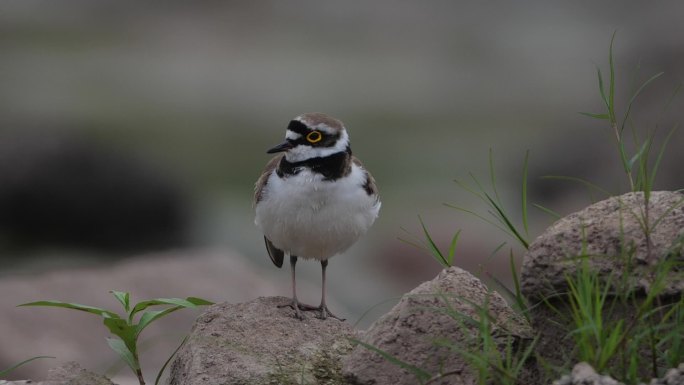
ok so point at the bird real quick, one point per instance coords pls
(314, 199)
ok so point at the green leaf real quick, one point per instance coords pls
(4, 372)
(639, 154)
(637, 93)
(452, 247)
(168, 360)
(123, 298)
(602, 89)
(190, 302)
(432, 246)
(74, 306)
(122, 350)
(122, 329)
(547, 210)
(611, 86)
(150, 316)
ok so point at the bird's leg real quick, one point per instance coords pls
(325, 313)
(295, 303)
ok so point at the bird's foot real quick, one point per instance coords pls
(323, 312)
(298, 307)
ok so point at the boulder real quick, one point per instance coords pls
(609, 239)
(607, 231)
(411, 330)
(259, 343)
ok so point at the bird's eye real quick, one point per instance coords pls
(314, 137)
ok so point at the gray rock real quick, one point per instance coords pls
(607, 232)
(68, 374)
(584, 374)
(409, 332)
(607, 229)
(72, 374)
(258, 343)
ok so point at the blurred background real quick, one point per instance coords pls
(131, 135)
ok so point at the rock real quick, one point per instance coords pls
(409, 331)
(68, 374)
(611, 234)
(72, 374)
(607, 229)
(584, 374)
(258, 343)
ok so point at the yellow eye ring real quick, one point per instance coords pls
(314, 137)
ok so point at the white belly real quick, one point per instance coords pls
(311, 218)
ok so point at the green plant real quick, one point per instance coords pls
(127, 328)
(429, 245)
(497, 215)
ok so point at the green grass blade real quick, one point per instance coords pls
(436, 253)
(654, 171)
(579, 180)
(487, 220)
(519, 298)
(4, 372)
(502, 216)
(492, 177)
(74, 306)
(168, 360)
(452, 247)
(636, 94)
(552, 213)
(602, 90)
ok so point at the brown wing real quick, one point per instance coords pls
(277, 256)
(263, 179)
(369, 185)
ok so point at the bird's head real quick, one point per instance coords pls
(313, 135)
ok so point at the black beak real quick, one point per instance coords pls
(284, 146)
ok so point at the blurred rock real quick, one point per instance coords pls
(259, 343)
(72, 374)
(217, 275)
(65, 190)
(584, 374)
(409, 332)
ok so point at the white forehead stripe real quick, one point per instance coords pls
(324, 127)
(289, 134)
(320, 126)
